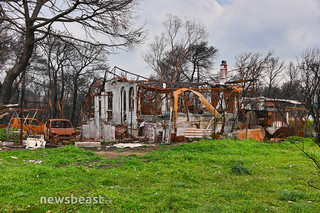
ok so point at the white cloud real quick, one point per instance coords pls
(235, 26)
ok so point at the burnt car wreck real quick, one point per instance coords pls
(59, 130)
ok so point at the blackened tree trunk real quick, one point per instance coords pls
(74, 119)
(18, 68)
(62, 91)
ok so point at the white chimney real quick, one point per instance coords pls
(223, 72)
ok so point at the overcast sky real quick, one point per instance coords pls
(234, 27)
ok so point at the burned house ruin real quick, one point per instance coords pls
(119, 108)
(138, 109)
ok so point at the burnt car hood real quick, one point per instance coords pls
(63, 131)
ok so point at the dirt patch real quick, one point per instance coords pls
(4, 148)
(90, 165)
(111, 155)
(109, 165)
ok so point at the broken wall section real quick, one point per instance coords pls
(115, 106)
(106, 132)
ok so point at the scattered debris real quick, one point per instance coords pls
(5, 148)
(35, 161)
(14, 157)
(35, 143)
(197, 133)
(255, 134)
(4, 109)
(7, 143)
(88, 144)
(127, 145)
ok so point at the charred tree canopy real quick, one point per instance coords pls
(181, 51)
(100, 23)
(309, 67)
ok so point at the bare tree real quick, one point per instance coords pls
(201, 56)
(306, 74)
(173, 45)
(290, 88)
(250, 69)
(56, 53)
(84, 61)
(5, 44)
(273, 72)
(166, 67)
(10, 44)
(4, 39)
(309, 67)
(96, 22)
(155, 56)
(64, 74)
(36, 81)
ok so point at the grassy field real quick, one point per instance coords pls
(207, 176)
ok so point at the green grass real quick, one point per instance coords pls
(15, 137)
(207, 176)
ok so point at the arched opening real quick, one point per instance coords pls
(110, 106)
(131, 99)
(123, 105)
